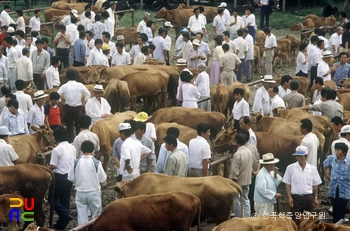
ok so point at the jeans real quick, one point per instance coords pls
(11, 79)
(86, 201)
(240, 71)
(246, 203)
(248, 69)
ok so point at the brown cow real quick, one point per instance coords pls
(304, 83)
(257, 60)
(117, 94)
(260, 36)
(345, 83)
(314, 224)
(80, 7)
(164, 115)
(34, 227)
(215, 119)
(49, 13)
(219, 98)
(217, 194)
(5, 210)
(325, 21)
(294, 45)
(346, 117)
(30, 181)
(307, 24)
(147, 84)
(344, 99)
(313, 17)
(285, 45)
(279, 57)
(106, 130)
(154, 62)
(258, 224)
(157, 213)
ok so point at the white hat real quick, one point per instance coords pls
(300, 151)
(10, 30)
(187, 71)
(124, 126)
(75, 13)
(269, 79)
(98, 87)
(167, 23)
(327, 54)
(268, 158)
(223, 4)
(39, 94)
(181, 62)
(146, 14)
(196, 42)
(120, 37)
(345, 129)
(4, 131)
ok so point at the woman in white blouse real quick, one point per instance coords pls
(215, 68)
(189, 91)
(20, 24)
(302, 64)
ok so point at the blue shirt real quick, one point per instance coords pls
(79, 50)
(340, 176)
(342, 72)
(16, 124)
(265, 186)
(51, 53)
(117, 147)
(164, 155)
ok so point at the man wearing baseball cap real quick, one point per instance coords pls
(344, 138)
(302, 180)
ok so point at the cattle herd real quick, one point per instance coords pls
(158, 201)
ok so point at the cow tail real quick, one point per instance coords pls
(199, 216)
(52, 189)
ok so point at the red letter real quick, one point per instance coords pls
(26, 204)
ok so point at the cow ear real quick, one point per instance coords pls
(34, 128)
(276, 111)
(259, 117)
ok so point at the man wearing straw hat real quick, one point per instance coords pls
(267, 181)
(36, 116)
(323, 69)
(262, 99)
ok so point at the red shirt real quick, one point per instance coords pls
(53, 114)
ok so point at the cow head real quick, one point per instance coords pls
(331, 20)
(345, 83)
(161, 13)
(47, 139)
(224, 140)
(296, 26)
(312, 224)
(94, 74)
(276, 111)
(119, 188)
(255, 119)
(44, 30)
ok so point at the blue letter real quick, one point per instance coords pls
(18, 214)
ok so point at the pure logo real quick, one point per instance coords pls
(16, 212)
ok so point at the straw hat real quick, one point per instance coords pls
(141, 116)
(268, 158)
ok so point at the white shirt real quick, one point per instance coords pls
(310, 141)
(326, 44)
(111, 14)
(322, 69)
(36, 116)
(310, 50)
(150, 131)
(121, 59)
(220, 24)
(334, 40)
(190, 95)
(132, 150)
(52, 77)
(8, 154)
(159, 42)
(233, 46)
(316, 96)
(203, 83)
(110, 26)
(82, 16)
(184, 50)
(301, 182)
(242, 46)
(85, 176)
(89, 46)
(12, 57)
(226, 15)
(250, 42)
(276, 102)
(81, 137)
(34, 24)
(179, 43)
(25, 102)
(63, 156)
(6, 18)
(135, 50)
(196, 25)
(113, 49)
(73, 91)
(16, 124)
(66, 20)
(340, 140)
(251, 20)
(19, 50)
(87, 23)
(95, 109)
(164, 154)
(240, 109)
(261, 101)
(204, 49)
(167, 41)
(20, 24)
(4, 60)
(95, 57)
(300, 63)
(252, 138)
(73, 29)
(270, 41)
(282, 92)
(141, 27)
(199, 150)
(235, 27)
(139, 59)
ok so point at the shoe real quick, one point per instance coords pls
(341, 221)
(346, 220)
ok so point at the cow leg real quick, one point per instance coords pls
(133, 99)
(106, 158)
(13, 226)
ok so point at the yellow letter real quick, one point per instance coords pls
(16, 199)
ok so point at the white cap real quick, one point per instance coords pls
(223, 4)
(327, 54)
(167, 23)
(75, 13)
(10, 30)
(345, 129)
(124, 126)
(181, 61)
(39, 94)
(300, 151)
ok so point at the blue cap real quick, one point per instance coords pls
(300, 151)
(183, 30)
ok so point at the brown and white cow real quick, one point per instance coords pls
(217, 194)
(219, 98)
(163, 211)
(117, 94)
(5, 209)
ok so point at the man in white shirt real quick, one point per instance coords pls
(24, 100)
(160, 52)
(142, 25)
(3, 75)
(199, 152)
(226, 14)
(284, 86)
(68, 19)
(323, 69)
(317, 85)
(185, 47)
(109, 23)
(310, 141)
(86, 22)
(203, 86)
(219, 23)
(250, 55)
(89, 42)
(276, 101)
(120, 57)
(72, 29)
(335, 40)
(36, 116)
(88, 9)
(240, 108)
(135, 50)
(111, 10)
(142, 56)
(262, 100)
(233, 46)
(242, 54)
(41, 62)
(270, 44)
(52, 74)
(203, 48)
(179, 41)
(16, 119)
(244, 123)
(95, 54)
(168, 26)
(72, 92)
(235, 23)
(314, 57)
(9, 156)
(132, 152)
(5, 15)
(196, 23)
(106, 38)
(12, 57)
(97, 107)
(344, 138)
(34, 23)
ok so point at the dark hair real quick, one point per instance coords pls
(36, 11)
(238, 91)
(186, 35)
(89, 33)
(220, 11)
(317, 31)
(319, 80)
(60, 134)
(218, 40)
(245, 119)
(106, 34)
(144, 37)
(87, 14)
(105, 14)
(162, 30)
(20, 33)
(7, 7)
(127, 132)
(84, 121)
(226, 33)
(195, 9)
(5, 89)
(39, 41)
(201, 9)
(251, 9)
(319, 42)
(241, 138)
(73, 20)
(240, 32)
(141, 125)
(343, 14)
(25, 51)
(55, 59)
(81, 28)
(302, 46)
(202, 128)
(132, 124)
(343, 53)
(81, 34)
(342, 146)
(337, 120)
(286, 79)
(225, 47)
(19, 12)
(246, 133)
(19, 84)
(324, 91)
(149, 23)
(314, 38)
(54, 95)
(306, 124)
(173, 131)
(98, 41)
(267, 30)
(71, 74)
(62, 27)
(294, 85)
(245, 30)
(275, 89)
(171, 139)
(87, 146)
(34, 33)
(200, 34)
(97, 17)
(187, 76)
(331, 94)
(9, 40)
(152, 46)
(14, 42)
(120, 45)
(87, 6)
(45, 40)
(12, 102)
(11, 96)
(144, 49)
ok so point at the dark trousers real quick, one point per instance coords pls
(78, 64)
(339, 206)
(301, 203)
(62, 192)
(53, 127)
(236, 126)
(168, 62)
(39, 82)
(240, 71)
(264, 12)
(251, 194)
(300, 73)
(72, 114)
(64, 54)
(313, 75)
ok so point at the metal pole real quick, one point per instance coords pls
(141, 4)
(284, 6)
(235, 4)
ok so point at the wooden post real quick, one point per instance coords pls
(235, 4)
(132, 19)
(284, 6)
(141, 4)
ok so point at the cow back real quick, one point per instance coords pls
(186, 133)
(164, 115)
